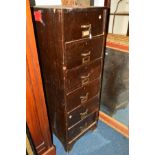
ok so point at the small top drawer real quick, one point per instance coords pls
(83, 23)
(83, 51)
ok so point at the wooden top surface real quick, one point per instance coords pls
(65, 7)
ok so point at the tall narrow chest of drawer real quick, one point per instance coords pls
(70, 49)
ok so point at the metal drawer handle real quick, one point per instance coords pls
(86, 33)
(84, 98)
(85, 76)
(85, 59)
(85, 54)
(84, 114)
(86, 26)
(85, 79)
(82, 128)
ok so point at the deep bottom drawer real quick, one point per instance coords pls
(81, 126)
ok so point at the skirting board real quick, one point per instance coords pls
(120, 48)
(113, 123)
(50, 151)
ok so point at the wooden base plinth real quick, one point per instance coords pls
(50, 151)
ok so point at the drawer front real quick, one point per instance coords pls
(82, 75)
(82, 95)
(82, 52)
(81, 126)
(83, 23)
(83, 111)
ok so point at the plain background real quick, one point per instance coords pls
(13, 77)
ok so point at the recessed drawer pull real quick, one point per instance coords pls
(85, 79)
(84, 98)
(84, 114)
(85, 54)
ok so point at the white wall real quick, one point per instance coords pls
(98, 2)
(121, 22)
(48, 2)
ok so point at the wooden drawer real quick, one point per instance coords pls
(82, 75)
(82, 52)
(83, 111)
(81, 126)
(80, 23)
(82, 95)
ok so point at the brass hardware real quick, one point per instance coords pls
(85, 79)
(85, 76)
(99, 16)
(84, 114)
(86, 33)
(70, 116)
(86, 26)
(85, 59)
(82, 128)
(84, 98)
(64, 67)
(85, 54)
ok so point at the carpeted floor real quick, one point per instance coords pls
(102, 141)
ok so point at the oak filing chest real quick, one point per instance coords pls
(70, 44)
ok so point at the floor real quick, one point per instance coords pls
(102, 141)
(122, 115)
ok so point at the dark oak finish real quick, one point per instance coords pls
(70, 42)
(82, 94)
(73, 30)
(107, 3)
(83, 111)
(83, 74)
(36, 114)
(76, 51)
(81, 127)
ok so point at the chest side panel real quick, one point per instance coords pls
(49, 36)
